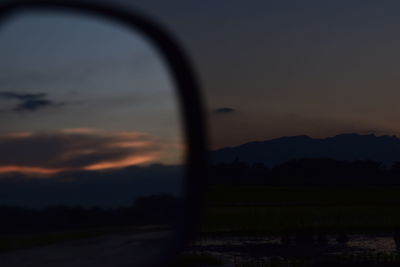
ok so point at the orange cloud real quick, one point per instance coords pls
(81, 149)
(122, 163)
(5, 169)
(81, 130)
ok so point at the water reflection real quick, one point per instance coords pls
(233, 250)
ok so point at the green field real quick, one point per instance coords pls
(280, 210)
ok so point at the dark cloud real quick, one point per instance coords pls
(33, 105)
(12, 95)
(29, 102)
(74, 150)
(224, 110)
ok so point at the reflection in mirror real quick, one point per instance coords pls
(90, 144)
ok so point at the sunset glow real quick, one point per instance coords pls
(81, 149)
(5, 169)
(135, 160)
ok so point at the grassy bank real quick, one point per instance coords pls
(276, 210)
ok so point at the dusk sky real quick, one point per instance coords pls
(81, 93)
(291, 67)
(268, 69)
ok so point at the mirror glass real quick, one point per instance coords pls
(91, 146)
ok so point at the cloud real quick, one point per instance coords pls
(32, 105)
(12, 95)
(29, 102)
(76, 149)
(224, 110)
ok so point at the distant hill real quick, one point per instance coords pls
(110, 188)
(349, 147)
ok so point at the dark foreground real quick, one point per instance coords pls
(246, 226)
(111, 250)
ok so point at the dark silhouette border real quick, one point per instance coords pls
(188, 93)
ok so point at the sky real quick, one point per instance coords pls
(287, 67)
(81, 93)
(267, 69)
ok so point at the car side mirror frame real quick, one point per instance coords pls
(187, 90)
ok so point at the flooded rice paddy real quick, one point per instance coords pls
(232, 250)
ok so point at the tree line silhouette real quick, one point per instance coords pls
(307, 172)
(161, 209)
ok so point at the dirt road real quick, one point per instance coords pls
(117, 250)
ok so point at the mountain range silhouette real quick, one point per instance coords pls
(349, 147)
